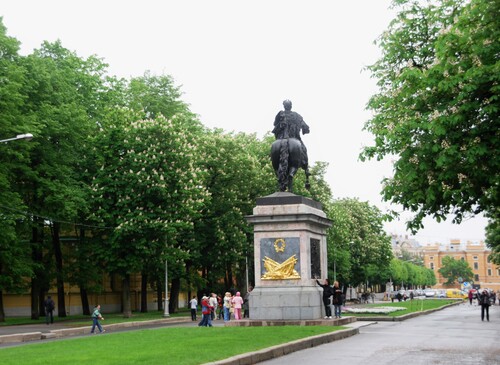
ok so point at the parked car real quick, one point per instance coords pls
(429, 293)
(455, 293)
(441, 294)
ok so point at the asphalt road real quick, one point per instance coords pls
(455, 335)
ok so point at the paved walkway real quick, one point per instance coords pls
(455, 335)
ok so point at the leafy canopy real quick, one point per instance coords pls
(437, 109)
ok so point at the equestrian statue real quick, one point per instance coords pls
(288, 152)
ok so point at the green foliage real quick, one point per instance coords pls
(408, 274)
(357, 242)
(146, 190)
(452, 269)
(438, 108)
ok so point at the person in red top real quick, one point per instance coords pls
(206, 310)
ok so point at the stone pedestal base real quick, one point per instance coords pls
(286, 303)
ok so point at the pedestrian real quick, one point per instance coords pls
(220, 310)
(227, 306)
(237, 304)
(327, 293)
(471, 296)
(49, 309)
(206, 318)
(246, 303)
(213, 305)
(337, 299)
(96, 316)
(193, 303)
(484, 301)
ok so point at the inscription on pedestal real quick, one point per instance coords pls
(315, 259)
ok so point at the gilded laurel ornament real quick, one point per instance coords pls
(279, 245)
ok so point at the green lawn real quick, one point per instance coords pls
(172, 345)
(415, 305)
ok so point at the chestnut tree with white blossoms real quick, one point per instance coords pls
(147, 190)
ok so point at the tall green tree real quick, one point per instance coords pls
(14, 261)
(453, 269)
(356, 241)
(61, 92)
(437, 109)
(147, 190)
(238, 171)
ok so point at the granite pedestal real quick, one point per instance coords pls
(290, 254)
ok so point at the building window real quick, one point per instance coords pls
(432, 265)
(476, 266)
(462, 258)
(476, 277)
(431, 257)
(488, 259)
(475, 258)
(489, 272)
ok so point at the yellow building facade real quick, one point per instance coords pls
(486, 274)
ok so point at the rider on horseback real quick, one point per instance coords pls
(288, 124)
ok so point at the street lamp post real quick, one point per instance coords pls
(165, 310)
(26, 136)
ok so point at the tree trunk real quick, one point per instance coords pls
(36, 254)
(159, 293)
(83, 289)
(85, 301)
(56, 243)
(2, 312)
(144, 292)
(127, 309)
(173, 303)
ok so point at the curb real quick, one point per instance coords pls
(75, 331)
(286, 348)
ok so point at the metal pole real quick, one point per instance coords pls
(165, 311)
(246, 264)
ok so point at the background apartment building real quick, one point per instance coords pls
(486, 274)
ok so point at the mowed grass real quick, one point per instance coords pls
(175, 345)
(415, 305)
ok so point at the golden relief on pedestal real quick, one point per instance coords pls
(277, 271)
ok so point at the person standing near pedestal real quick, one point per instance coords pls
(237, 305)
(337, 299)
(327, 293)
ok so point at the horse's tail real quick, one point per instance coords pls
(283, 166)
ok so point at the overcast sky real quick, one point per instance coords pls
(236, 61)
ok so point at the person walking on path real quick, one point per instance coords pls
(206, 311)
(96, 316)
(194, 307)
(237, 304)
(49, 310)
(471, 296)
(327, 293)
(484, 301)
(337, 299)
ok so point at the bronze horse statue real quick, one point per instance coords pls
(287, 157)
(288, 152)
